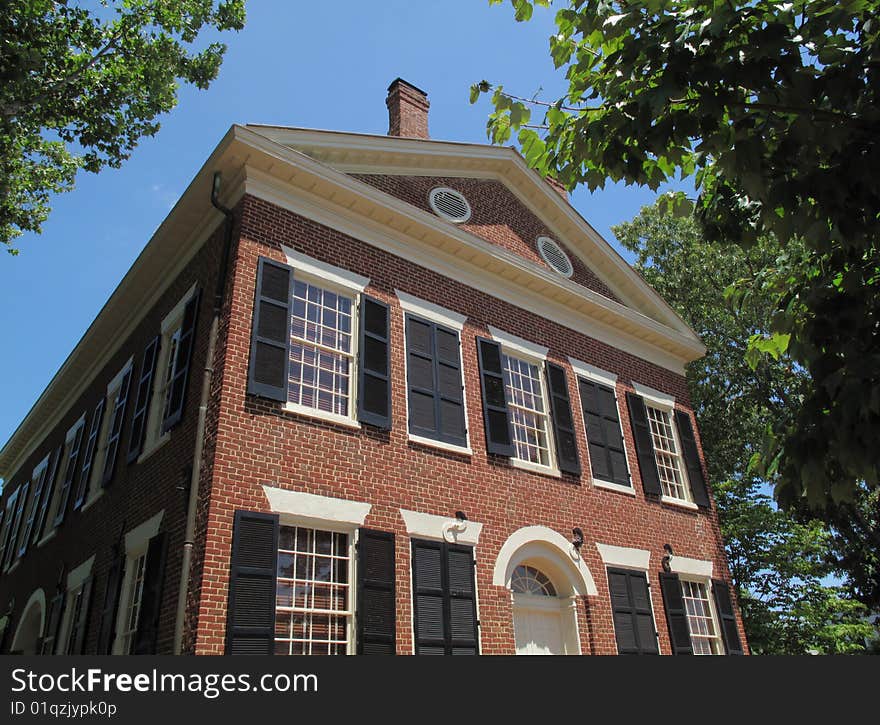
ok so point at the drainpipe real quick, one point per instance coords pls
(207, 376)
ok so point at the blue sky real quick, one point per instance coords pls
(317, 65)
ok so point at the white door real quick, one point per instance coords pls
(538, 628)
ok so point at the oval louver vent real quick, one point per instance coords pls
(552, 253)
(449, 204)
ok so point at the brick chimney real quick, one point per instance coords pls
(407, 110)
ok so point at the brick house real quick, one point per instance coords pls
(368, 394)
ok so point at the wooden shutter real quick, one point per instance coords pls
(631, 609)
(433, 368)
(724, 607)
(463, 623)
(69, 475)
(444, 598)
(604, 436)
(270, 334)
(182, 358)
(563, 424)
(53, 623)
(107, 633)
(82, 489)
(376, 612)
(117, 419)
(77, 647)
(151, 598)
(496, 418)
(37, 505)
(676, 616)
(692, 459)
(11, 505)
(15, 523)
(142, 401)
(374, 364)
(638, 418)
(250, 622)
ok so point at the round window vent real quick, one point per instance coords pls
(449, 204)
(552, 253)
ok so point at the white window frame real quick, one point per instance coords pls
(170, 327)
(533, 354)
(454, 321)
(717, 638)
(665, 403)
(35, 476)
(60, 474)
(76, 579)
(137, 542)
(348, 284)
(114, 387)
(609, 380)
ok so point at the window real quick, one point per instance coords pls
(313, 610)
(444, 599)
(702, 624)
(9, 519)
(14, 512)
(528, 580)
(435, 388)
(524, 391)
(667, 454)
(131, 613)
(102, 466)
(39, 481)
(66, 470)
(72, 630)
(319, 345)
(161, 387)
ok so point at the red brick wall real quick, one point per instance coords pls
(497, 216)
(138, 490)
(258, 443)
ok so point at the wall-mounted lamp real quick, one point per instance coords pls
(578, 541)
(666, 561)
(456, 526)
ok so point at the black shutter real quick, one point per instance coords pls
(462, 628)
(433, 368)
(604, 437)
(692, 459)
(631, 609)
(142, 402)
(15, 523)
(250, 622)
(53, 623)
(69, 474)
(638, 418)
(177, 385)
(499, 433)
(444, 596)
(82, 623)
(151, 598)
(117, 420)
(376, 613)
(724, 606)
(563, 425)
(676, 616)
(270, 335)
(374, 365)
(9, 517)
(39, 503)
(82, 489)
(107, 633)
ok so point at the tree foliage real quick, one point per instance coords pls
(82, 83)
(772, 106)
(780, 560)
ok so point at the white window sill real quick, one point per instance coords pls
(47, 537)
(535, 468)
(619, 488)
(679, 502)
(316, 414)
(441, 445)
(153, 446)
(92, 499)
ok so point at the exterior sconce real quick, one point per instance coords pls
(666, 561)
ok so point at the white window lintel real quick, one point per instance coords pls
(78, 575)
(324, 271)
(591, 372)
(312, 509)
(519, 346)
(687, 567)
(172, 318)
(137, 540)
(624, 556)
(116, 383)
(655, 397)
(430, 311)
(441, 528)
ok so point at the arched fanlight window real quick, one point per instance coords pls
(528, 580)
